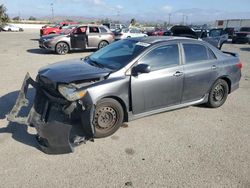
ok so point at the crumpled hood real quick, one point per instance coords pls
(72, 71)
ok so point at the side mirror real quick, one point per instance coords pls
(140, 69)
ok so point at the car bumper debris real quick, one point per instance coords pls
(56, 133)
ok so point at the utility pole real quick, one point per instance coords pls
(169, 18)
(183, 19)
(52, 11)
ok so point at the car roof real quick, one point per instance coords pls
(157, 39)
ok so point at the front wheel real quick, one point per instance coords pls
(218, 94)
(62, 48)
(102, 44)
(108, 117)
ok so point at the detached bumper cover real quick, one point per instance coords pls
(54, 137)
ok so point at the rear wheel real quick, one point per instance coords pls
(218, 94)
(102, 44)
(108, 117)
(62, 48)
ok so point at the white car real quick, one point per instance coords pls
(11, 28)
(129, 33)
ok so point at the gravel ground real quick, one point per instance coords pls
(190, 147)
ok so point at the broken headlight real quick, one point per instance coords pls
(70, 92)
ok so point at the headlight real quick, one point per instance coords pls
(248, 36)
(71, 93)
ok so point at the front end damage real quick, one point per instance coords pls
(58, 131)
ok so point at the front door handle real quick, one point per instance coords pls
(178, 73)
(214, 67)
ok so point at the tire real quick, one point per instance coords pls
(233, 42)
(108, 117)
(9, 29)
(62, 48)
(102, 44)
(218, 94)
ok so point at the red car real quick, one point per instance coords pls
(156, 32)
(55, 29)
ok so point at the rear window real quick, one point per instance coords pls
(103, 30)
(194, 53)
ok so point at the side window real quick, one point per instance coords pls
(93, 29)
(194, 53)
(211, 54)
(162, 57)
(103, 30)
(80, 30)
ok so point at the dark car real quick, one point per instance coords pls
(126, 80)
(215, 38)
(230, 31)
(242, 36)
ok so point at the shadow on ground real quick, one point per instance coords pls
(49, 52)
(34, 39)
(247, 49)
(18, 132)
(40, 51)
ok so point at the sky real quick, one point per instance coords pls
(146, 10)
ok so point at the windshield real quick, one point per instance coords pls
(247, 29)
(118, 54)
(215, 33)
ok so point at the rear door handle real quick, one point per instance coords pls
(178, 73)
(214, 67)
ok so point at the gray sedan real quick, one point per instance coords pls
(126, 80)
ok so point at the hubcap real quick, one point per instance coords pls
(103, 44)
(62, 48)
(219, 93)
(105, 118)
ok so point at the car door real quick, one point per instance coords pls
(94, 37)
(163, 85)
(78, 38)
(200, 70)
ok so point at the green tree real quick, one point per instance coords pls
(4, 18)
(32, 18)
(17, 18)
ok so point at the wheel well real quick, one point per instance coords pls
(228, 83)
(62, 42)
(123, 106)
(104, 41)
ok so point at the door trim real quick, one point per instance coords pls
(169, 108)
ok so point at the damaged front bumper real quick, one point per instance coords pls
(51, 116)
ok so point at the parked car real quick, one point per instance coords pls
(129, 33)
(10, 27)
(219, 35)
(185, 31)
(156, 32)
(113, 27)
(126, 80)
(81, 38)
(243, 36)
(230, 31)
(55, 29)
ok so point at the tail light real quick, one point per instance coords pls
(240, 65)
